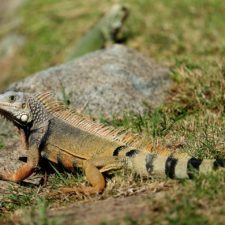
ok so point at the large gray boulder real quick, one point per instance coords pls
(109, 81)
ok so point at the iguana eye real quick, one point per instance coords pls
(12, 98)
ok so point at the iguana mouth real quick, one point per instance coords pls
(5, 115)
(12, 119)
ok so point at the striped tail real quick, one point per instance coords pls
(176, 167)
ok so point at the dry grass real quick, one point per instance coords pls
(187, 35)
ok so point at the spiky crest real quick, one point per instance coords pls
(59, 110)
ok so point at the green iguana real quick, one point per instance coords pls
(104, 33)
(48, 129)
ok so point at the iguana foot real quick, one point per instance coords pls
(20, 174)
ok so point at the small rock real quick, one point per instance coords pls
(10, 44)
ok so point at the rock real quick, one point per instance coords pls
(10, 40)
(8, 8)
(9, 45)
(9, 15)
(109, 81)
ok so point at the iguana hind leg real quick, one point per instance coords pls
(94, 176)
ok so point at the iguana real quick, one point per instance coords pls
(104, 33)
(50, 130)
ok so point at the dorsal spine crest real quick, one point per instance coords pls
(58, 110)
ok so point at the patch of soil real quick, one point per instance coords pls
(97, 212)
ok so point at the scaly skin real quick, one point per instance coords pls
(48, 129)
(104, 33)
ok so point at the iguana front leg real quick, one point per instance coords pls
(23, 140)
(30, 149)
(26, 169)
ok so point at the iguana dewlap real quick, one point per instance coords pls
(48, 129)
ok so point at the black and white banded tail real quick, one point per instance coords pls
(175, 167)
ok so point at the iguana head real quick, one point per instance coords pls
(15, 107)
(117, 15)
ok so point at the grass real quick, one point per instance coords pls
(197, 202)
(40, 215)
(188, 36)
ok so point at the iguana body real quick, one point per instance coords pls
(48, 129)
(104, 33)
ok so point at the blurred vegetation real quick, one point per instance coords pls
(187, 35)
(173, 32)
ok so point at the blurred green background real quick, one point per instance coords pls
(171, 31)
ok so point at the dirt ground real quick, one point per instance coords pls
(108, 210)
(94, 210)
